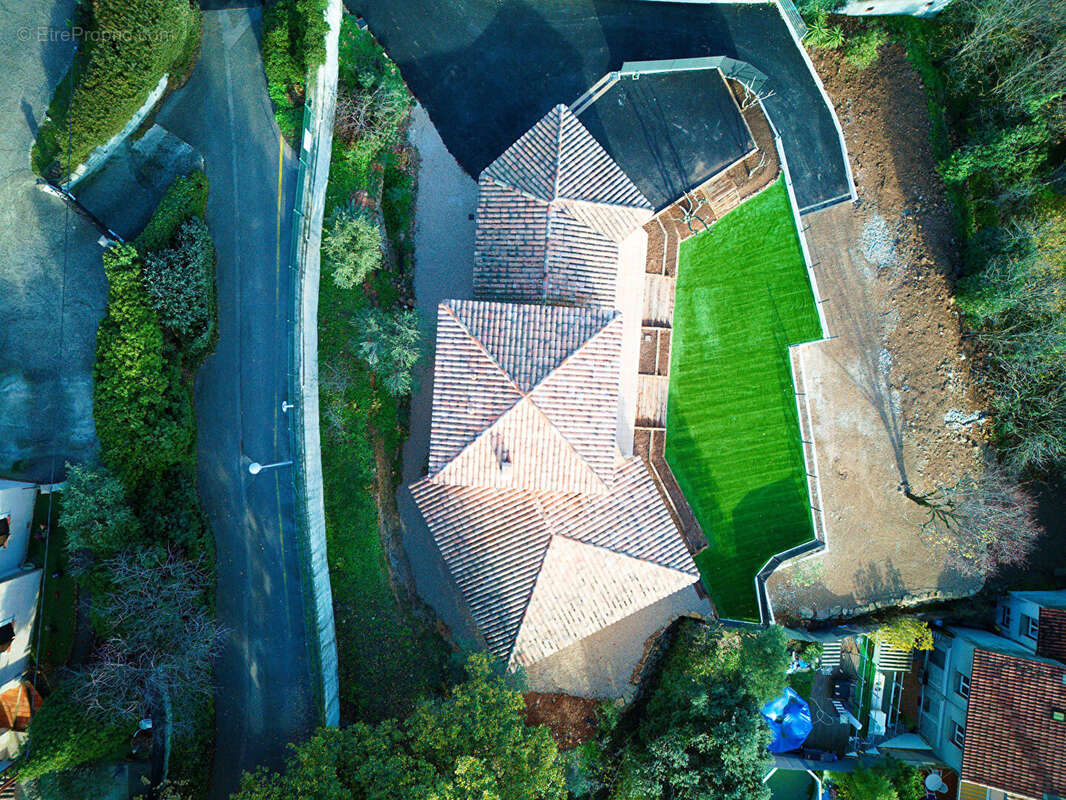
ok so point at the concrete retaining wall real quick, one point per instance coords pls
(307, 230)
(99, 155)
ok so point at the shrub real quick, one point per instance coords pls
(136, 42)
(294, 44)
(862, 49)
(142, 411)
(905, 632)
(389, 344)
(822, 35)
(180, 285)
(351, 246)
(63, 734)
(94, 513)
(184, 198)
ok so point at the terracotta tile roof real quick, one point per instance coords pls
(1011, 741)
(530, 597)
(1051, 635)
(525, 396)
(549, 533)
(552, 211)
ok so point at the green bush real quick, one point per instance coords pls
(351, 246)
(135, 43)
(95, 515)
(143, 413)
(184, 198)
(63, 735)
(861, 49)
(180, 285)
(822, 35)
(293, 45)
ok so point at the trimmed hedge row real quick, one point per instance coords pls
(133, 43)
(294, 44)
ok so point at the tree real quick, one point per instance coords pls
(94, 513)
(388, 343)
(983, 523)
(866, 784)
(472, 745)
(905, 632)
(179, 282)
(157, 637)
(700, 733)
(351, 246)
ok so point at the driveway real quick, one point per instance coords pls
(52, 280)
(265, 698)
(487, 70)
(444, 268)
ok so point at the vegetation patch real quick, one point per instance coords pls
(135, 536)
(733, 439)
(54, 637)
(367, 345)
(293, 46)
(129, 46)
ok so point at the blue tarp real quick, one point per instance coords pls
(789, 718)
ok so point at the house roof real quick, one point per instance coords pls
(525, 397)
(1051, 634)
(541, 570)
(552, 211)
(1011, 741)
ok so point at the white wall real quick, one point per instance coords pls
(16, 499)
(916, 8)
(18, 600)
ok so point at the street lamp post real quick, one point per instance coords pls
(255, 467)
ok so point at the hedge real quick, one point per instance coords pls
(63, 735)
(133, 43)
(184, 198)
(293, 45)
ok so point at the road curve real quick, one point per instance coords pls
(264, 697)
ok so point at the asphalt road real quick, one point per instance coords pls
(52, 282)
(265, 698)
(487, 70)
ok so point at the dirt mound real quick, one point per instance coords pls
(571, 720)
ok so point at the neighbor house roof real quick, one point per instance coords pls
(552, 212)
(1051, 634)
(541, 570)
(1012, 742)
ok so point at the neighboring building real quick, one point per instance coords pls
(994, 708)
(549, 525)
(19, 592)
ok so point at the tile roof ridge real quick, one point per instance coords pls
(566, 441)
(481, 345)
(615, 316)
(594, 545)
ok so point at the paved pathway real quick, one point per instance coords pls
(52, 283)
(265, 697)
(444, 268)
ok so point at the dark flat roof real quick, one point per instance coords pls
(669, 131)
(487, 70)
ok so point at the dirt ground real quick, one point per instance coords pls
(891, 396)
(572, 720)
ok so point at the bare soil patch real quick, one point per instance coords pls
(571, 720)
(888, 391)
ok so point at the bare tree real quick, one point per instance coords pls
(158, 636)
(984, 523)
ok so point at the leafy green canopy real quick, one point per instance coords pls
(701, 735)
(473, 745)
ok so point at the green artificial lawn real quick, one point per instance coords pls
(733, 440)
